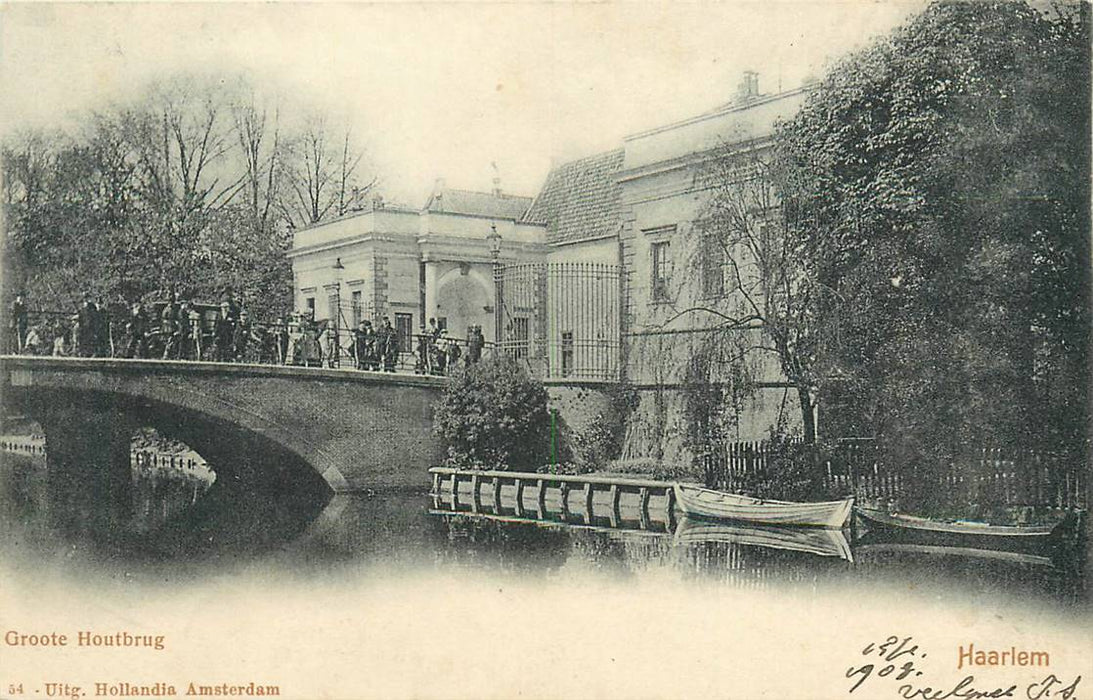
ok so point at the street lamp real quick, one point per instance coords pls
(336, 350)
(494, 240)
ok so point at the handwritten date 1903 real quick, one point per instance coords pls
(887, 653)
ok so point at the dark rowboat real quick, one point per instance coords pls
(1013, 538)
(699, 502)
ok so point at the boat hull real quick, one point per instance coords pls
(699, 502)
(905, 528)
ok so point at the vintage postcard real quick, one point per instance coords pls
(545, 350)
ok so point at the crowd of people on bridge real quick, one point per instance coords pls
(185, 330)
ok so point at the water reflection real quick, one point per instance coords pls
(186, 529)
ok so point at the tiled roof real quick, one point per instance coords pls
(580, 199)
(503, 206)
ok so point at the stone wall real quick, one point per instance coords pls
(656, 428)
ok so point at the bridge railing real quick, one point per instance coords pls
(298, 342)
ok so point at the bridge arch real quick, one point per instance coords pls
(355, 430)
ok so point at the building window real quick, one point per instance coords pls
(713, 267)
(442, 323)
(519, 338)
(358, 308)
(404, 326)
(661, 277)
(567, 353)
(309, 307)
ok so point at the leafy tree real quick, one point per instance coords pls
(493, 415)
(940, 186)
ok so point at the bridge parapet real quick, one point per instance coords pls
(114, 364)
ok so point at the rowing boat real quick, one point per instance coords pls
(699, 502)
(958, 533)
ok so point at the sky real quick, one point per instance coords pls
(439, 90)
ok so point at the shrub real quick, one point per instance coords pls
(494, 416)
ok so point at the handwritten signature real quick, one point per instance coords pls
(897, 659)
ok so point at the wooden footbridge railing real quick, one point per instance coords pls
(649, 504)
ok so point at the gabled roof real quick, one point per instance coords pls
(485, 204)
(580, 199)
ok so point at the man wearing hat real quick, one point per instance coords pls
(87, 320)
(168, 328)
(242, 336)
(390, 346)
(364, 345)
(137, 331)
(223, 334)
(18, 322)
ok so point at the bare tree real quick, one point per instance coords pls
(258, 132)
(183, 136)
(753, 268)
(323, 179)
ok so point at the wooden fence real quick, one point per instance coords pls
(986, 475)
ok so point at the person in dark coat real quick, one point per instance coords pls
(87, 326)
(102, 330)
(454, 353)
(440, 354)
(433, 353)
(169, 328)
(309, 352)
(242, 336)
(364, 345)
(421, 366)
(185, 331)
(223, 334)
(475, 343)
(18, 322)
(390, 346)
(136, 329)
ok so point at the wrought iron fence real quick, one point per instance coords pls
(561, 319)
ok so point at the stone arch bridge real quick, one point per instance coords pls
(338, 430)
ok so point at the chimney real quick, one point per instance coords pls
(496, 180)
(748, 87)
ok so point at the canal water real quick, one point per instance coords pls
(394, 595)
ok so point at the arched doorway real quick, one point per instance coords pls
(464, 298)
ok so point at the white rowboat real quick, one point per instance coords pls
(707, 503)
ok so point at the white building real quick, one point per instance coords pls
(412, 265)
(594, 284)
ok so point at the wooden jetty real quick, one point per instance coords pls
(613, 500)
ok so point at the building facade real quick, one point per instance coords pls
(599, 277)
(638, 206)
(411, 265)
